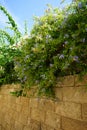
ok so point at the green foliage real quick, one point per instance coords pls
(8, 50)
(11, 21)
(57, 46)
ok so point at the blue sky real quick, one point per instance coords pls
(22, 10)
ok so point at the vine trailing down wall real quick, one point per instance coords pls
(67, 112)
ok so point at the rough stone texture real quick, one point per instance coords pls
(67, 112)
(37, 114)
(46, 104)
(68, 109)
(52, 120)
(58, 93)
(70, 124)
(0, 127)
(66, 81)
(84, 111)
(79, 81)
(75, 94)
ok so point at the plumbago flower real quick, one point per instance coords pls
(75, 58)
(66, 36)
(61, 56)
(26, 57)
(80, 5)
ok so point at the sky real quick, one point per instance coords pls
(22, 10)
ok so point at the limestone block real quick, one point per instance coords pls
(25, 110)
(16, 115)
(65, 81)
(43, 126)
(79, 81)
(75, 94)
(37, 114)
(24, 101)
(52, 120)
(8, 127)
(13, 99)
(18, 100)
(58, 93)
(70, 124)
(7, 118)
(68, 109)
(84, 111)
(23, 118)
(18, 108)
(4, 124)
(18, 126)
(47, 104)
(11, 112)
(34, 125)
(50, 128)
(12, 123)
(1, 98)
(0, 127)
(27, 127)
(34, 102)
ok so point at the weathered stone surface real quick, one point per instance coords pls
(52, 120)
(37, 114)
(58, 93)
(68, 109)
(84, 111)
(18, 100)
(75, 94)
(50, 128)
(70, 124)
(67, 112)
(0, 127)
(25, 110)
(43, 126)
(8, 127)
(46, 104)
(7, 118)
(18, 108)
(18, 126)
(34, 102)
(15, 115)
(79, 81)
(24, 101)
(23, 118)
(33, 125)
(65, 81)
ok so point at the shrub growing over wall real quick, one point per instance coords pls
(57, 46)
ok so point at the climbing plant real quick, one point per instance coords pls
(8, 50)
(57, 46)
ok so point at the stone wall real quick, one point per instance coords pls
(67, 112)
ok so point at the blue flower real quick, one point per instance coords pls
(66, 42)
(75, 58)
(61, 56)
(51, 65)
(80, 5)
(66, 36)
